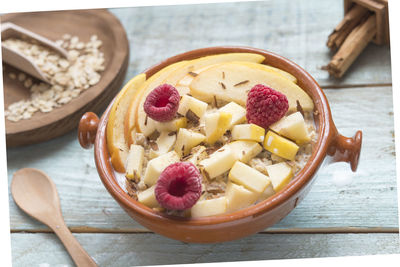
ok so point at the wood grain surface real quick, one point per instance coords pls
(344, 214)
(44, 126)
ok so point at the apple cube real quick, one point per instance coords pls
(196, 153)
(190, 103)
(209, 207)
(186, 140)
(135, 162)
(248, 132)
(148, 197)
(237, 111)
(245, 150)
(219, 162)
(173, 125)
(280, 175)
(157, 165)
(292, 127)
(239, 197)
(269, 191)
(248, 177)
(280, 146)
(164, 144)
(216, 125)
(149, 126)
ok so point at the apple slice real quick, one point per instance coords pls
(156, 166)
(251, 132)
(280, 146)
(209, 207)
(135, 163)
(148, 197)
(239, 197)
(239, 79)
(292, 127)
(164, 144)
(245, 150)
(280, 175)
(283, 73)
(216, 124)
(219, 162)
(248, 177)
(238, 113)
(136, 119)
(194, 65)
(116, 143)
(186, 140)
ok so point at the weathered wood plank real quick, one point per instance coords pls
(296, 29)
(150, 249)
(369, 201)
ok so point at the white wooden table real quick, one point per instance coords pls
(335, 218)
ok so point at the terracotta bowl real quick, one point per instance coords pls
(330, 147)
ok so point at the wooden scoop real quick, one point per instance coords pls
(36, 194)
(19, 60)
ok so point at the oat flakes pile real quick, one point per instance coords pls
(68, 77)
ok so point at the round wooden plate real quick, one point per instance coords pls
(53, 24)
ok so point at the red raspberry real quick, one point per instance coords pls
(162, 103)
(179, 186)
(265, 105)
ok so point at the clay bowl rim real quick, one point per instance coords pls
(325, 128)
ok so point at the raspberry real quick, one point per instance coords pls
(179, 186)
(265, 105)
(162, 103)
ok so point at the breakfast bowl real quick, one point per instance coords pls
(329, 147)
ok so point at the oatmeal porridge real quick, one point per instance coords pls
(215, 135)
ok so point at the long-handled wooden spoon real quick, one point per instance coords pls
(36, 194)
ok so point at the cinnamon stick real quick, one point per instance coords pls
(356, 14)
(354, 44)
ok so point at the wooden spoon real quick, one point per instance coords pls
(36, 194)
(19, 60)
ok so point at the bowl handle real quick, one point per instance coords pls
(87, 129)
(346, 149)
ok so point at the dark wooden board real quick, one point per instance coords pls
(81, 23)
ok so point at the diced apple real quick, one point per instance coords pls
(219, 162)
(173, 125)
(148, 198)
(196, 154)
(238, 113)
(239, 197)
(245, 150)
(280, 146)
(248, 177)
(280, 175)
(248, 132)
(292, 127)
(135, 162)
(164, 143)
(209, 207)
(216, 125)
(186, 140)
(269, 191)
(190, 103)
(157, 165)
